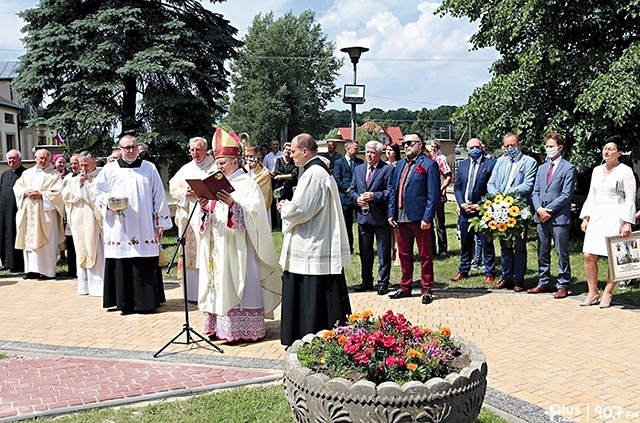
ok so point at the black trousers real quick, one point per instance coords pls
(382, 235)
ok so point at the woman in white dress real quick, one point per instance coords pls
(608, 210)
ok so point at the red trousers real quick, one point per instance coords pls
(407, 233)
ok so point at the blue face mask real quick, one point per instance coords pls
(512, 152)
(475, 153)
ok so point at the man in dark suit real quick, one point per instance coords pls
(469, 187)
(369, 191)
(551, 198)
(343, 174)
(412, 204)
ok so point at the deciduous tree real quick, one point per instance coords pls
(283, 78)
(567, 65)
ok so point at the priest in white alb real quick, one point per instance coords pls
(85, 222)
(199, 168)
(39, 219)
(131, 199)
(239, 276)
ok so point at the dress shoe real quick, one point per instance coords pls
(540, 289)
(561, 293)
(518, 288)
(30, 275)
(490, 279)
(3, 268)
(45, 277)
(591, 301)
(400, 294)
(383, 290)
(363, 287)
(427, 299)
(605, 302)
(459, 276)
(503, 285)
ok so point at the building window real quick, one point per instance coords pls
(11, 141)
(9, 118)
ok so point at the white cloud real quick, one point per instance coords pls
(416, 59)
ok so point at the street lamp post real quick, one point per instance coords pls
(354, 54)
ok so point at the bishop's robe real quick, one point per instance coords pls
(239, 275)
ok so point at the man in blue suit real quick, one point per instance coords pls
(370, 193)
(412, 204)
(343, 174)
(469, 187)
(551, 198)
(514, 173)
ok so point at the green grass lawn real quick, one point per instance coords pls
(445, 269)
(256, 404)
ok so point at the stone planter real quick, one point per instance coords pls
(314, 397)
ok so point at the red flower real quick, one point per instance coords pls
(389, 341)
(421, 170)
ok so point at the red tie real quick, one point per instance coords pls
(403, 179)
(549, 173)
(370, 175)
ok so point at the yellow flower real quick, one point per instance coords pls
(502, 227)
(487, 204)
(486, 216)
(511, 222)
(327, 335)
(354, 317)
(412, 353)
(498, 198)
(514, 211)
(445, 331)
(367, 313)
(509, 200)
(493, 225)
(411, 367)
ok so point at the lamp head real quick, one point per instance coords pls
(354, 53)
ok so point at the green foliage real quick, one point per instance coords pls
(283, 78)
(566, 66)
(92, 67)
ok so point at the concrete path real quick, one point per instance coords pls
(545, 356)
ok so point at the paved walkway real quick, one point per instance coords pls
(544, 355)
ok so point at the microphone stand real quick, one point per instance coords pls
(186, 327)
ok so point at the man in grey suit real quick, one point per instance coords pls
(551, 198)
(514, 173)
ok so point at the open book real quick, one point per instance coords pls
(211, 185)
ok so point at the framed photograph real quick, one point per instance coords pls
(624, 256)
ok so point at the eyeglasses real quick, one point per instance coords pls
(129, 148)
(409, 143)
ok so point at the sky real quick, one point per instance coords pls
(416, 59)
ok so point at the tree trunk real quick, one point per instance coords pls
(129, 123)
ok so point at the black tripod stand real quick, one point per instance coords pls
(186, 328)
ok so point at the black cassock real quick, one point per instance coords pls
(11, 258)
